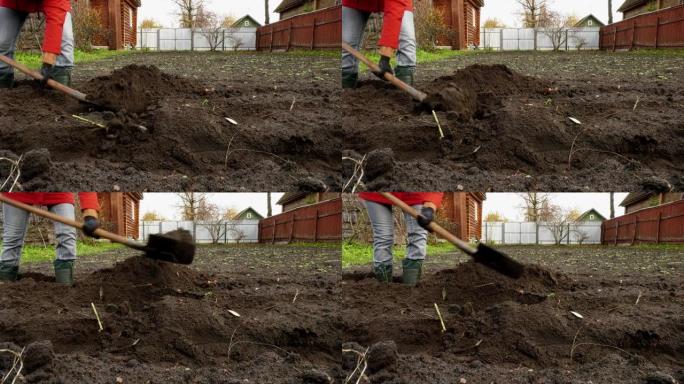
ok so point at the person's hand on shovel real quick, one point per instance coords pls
(90, 223)
(384, 63)
(47, 69)
(427, 216)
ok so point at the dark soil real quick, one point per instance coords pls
(170, 132)
(512, 130)
(500, 330)
(166, 323)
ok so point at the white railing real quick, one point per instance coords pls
(229, 231)
(186, 39)
(540, 233)
(530, 39)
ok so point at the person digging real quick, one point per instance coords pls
(58, 41)
(16, 224)
(398, 34)
(382, 222)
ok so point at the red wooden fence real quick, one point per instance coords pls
(661, 29)
(315, 30)
(661, 224)
(316, 222)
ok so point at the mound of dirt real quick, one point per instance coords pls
(135, 88)
(507, 131)
(168, 132)
(494, 324)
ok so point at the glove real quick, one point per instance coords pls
(385, 67)
(426, 216)
(46, 71)
(90, 224)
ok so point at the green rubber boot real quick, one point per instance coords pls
(350, 80)
(405, 74)
(383, 273)
(8, 272)
(62, 75)
(64, 272)
(412, 270)
(6, 80)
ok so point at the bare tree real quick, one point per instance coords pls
(191, 203)
(212, 29)
(269, 209)
(531, 11)
(558, 223)
(535, 206)
(268, 13)
(556, 29)
(187, 11)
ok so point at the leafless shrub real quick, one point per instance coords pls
(430, 25)
(88, 27)
(212, 30)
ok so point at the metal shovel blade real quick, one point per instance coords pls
(498, 261)
(164, 248)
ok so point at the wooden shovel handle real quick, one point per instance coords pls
(72, 223)
(53, 84)
(462, 245)
(416, 94)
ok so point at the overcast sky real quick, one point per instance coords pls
(166, 204)
(163, 11)
(508, 204)
(508, 11)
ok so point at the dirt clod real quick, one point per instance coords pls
(379, 163)
(35, 162)
(382, 355)
(38, 355)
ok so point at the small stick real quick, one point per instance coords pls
(83, 119)
(295, 296)
(441, 320)
(99, 323)
(293, 103)
(483, 285)
(637, 103)
(638, 298)
(439, 126)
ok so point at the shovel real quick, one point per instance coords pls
(80, 96)
(416, 94)
(483, 254)
(159, 247)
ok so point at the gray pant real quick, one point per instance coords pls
(11, 22)
(16, 223)
(353, 26)
(382, 222)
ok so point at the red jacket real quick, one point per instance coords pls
(393, 14)
(410, 198)
(55, 13)
(88, 200)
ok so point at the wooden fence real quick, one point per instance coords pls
(315, 30)
(320, 222)
(661, 29)
(661, 224)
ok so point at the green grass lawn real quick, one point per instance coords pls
(361, 254)
(40, 254)
(33, 59)
(422, 56)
